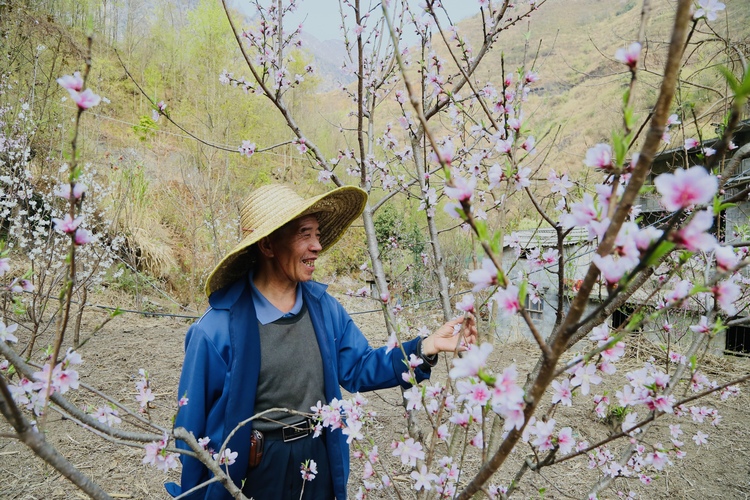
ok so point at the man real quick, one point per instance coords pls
(273, 338)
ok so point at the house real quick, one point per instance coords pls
(732, 226)
(542, 307)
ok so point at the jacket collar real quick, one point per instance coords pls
(225, 298)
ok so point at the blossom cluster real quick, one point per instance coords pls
(158, 456)
(32, 394)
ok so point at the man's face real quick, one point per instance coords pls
(295, 248)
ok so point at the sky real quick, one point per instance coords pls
(322, 17)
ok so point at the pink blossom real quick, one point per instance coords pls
(507, 300)
(466, 304)
(562, 393)
(600, 156)
(581, 213)
(473, 360)
(4, 265)
(612, 269)
(646, 236)
(700, 438)
(530, 77)
(68, 224)
(703, 326)
(452, 209)
(301, 145)
(521, 178)
(461, 189)
(247, 148)
(484, 277)
(675, 431)
(82, 237)
(565, 440)
(228, 457)
(6, 333)
(629, 55)
(324, 176)
(559, 184)
(691, 143)
(543, 432)
(144, 396)
(478, 440)
(529, 145)
(694, 235)
(461, 419)
(476, 393)
(726, 259)
(86, 99)
(658, 459)
(409, 450)
(63, 190)
(626, 397)
(308, 469)
(686, 188)
(71, 83)
(673, 120)
(708, 9)
(157, 456)
(585, 375)
(423, 479)
(727, 294)
(107, 415)
(504, 146)
(392, 342)
(681, 291)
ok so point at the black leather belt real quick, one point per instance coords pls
(291, 432)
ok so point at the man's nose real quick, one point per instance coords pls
(315, 244)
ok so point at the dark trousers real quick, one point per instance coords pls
(278, 476)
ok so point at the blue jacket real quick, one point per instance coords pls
(220, 377)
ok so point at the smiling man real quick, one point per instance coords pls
(274, 339)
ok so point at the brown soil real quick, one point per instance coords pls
(130, 342)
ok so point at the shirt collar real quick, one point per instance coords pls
(267, 312)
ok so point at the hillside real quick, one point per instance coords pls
(185, 216)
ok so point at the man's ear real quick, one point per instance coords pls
(266, 247)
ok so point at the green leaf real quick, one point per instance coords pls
(629, 117)
(732, 81)
(635, 320)
(724, 206)
(497, 242)
(699, 289)
(660, 251)
(522, 291)
(115, 313)
(685, 256)
(620, 146)
(481, 228)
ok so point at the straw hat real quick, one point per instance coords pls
(270, 207)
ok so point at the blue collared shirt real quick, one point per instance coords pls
(267, 312)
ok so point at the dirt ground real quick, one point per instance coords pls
(130, 342)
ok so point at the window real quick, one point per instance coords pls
(738, 339)
(621, 316)
(536, 310)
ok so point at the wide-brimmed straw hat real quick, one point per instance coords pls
(269, 207)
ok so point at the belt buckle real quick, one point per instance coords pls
(293, 432)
